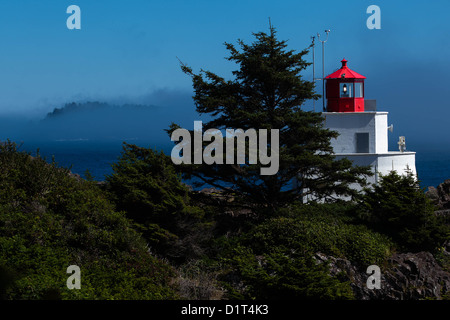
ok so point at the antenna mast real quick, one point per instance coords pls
(314, 68)
(323, 65)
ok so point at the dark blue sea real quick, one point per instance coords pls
(81, 154)
(433, 166)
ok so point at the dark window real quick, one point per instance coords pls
(362, 142)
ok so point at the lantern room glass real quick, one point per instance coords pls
(359, 90)
(346, 89)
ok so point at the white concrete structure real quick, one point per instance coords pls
(363, 139)
(363, 132)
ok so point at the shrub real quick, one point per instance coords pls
(146, 186)
(331, 236)
(275, 259)
(49, 220)
(398, 207)
(277, 275)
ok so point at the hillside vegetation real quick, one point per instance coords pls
(50, 220)
(175, 243)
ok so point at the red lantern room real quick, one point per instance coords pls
(345, 90)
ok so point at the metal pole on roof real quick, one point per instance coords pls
(314, 68)
(323, 66)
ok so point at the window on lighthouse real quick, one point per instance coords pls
(346, 90)
(362, 142)
(358, 90)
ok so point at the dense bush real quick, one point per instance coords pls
(275, 258)
(50, 220)
(277, 274)
(356, 243)
(145, 185)
(398, 207)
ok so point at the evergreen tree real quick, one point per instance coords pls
(398, 207)
(267, 92)
(145, 185)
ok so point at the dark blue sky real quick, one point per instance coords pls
(126, 51)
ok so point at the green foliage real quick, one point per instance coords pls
(277, 275)
(398, 207)
(443, 258)
(50, 220)
(146, 186)
(354, 242)
(267, 92)
(274, 259)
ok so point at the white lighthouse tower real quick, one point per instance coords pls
(363, 131)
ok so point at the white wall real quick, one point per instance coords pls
(397, 161)
(347, 124)
(381, 132)
(384, 163)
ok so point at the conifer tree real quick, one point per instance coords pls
(145, 185)
(398, 207)
(267, 92)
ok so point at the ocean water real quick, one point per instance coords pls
(80, 155)
(433, 166)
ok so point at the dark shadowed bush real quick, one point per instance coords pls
(274, 260)
(398, 207)
(50, 220)
(145, 185)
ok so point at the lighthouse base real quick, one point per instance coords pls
(380, 163)
(383, 163)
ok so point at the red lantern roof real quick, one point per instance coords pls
(345, 72)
